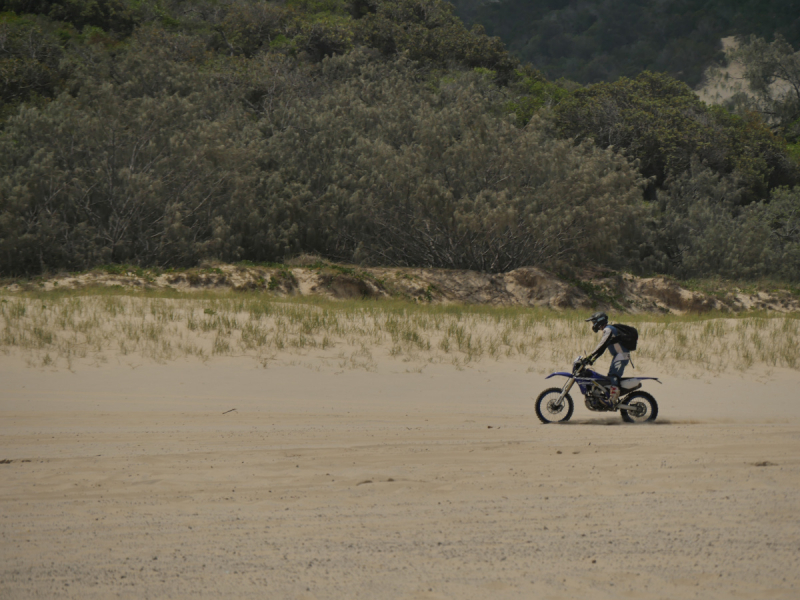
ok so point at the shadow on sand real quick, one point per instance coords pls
(611, 421)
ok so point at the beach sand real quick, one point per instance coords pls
(134, 481)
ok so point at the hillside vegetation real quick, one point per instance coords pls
(373, 132)
(589, 41)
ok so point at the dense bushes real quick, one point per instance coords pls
(103, 177)
(429, 32)
(374, 166)
(110, 15)
(662, 123)
(30, 54)
(369, 131)
(416, 176)
(700, 230)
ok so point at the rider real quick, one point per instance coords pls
(620, 356)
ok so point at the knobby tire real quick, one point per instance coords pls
(645, 397)
(565, 413)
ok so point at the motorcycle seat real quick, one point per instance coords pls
(630, 383)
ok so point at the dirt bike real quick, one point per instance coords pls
(554, 405)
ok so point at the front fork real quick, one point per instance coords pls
(565, 390)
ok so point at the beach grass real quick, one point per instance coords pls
(57, 328)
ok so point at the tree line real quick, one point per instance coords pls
(366, 131)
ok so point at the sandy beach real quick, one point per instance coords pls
(226, 479)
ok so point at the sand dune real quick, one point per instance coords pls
(327, 483)
(526, 286)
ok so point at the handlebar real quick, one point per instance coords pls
(581, 362)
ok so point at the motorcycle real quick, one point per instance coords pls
(554, 405)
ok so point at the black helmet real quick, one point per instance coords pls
(599, 321)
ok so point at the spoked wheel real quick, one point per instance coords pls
(643, 408)
(550, 410)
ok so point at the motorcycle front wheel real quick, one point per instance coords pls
(548, 408)
(643, 408)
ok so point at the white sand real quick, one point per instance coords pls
(321, 484)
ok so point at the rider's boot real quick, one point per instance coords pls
(613, 396)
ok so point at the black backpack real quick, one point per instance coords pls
(628, 336)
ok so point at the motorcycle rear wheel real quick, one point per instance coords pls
(646, 405)
(548, 411)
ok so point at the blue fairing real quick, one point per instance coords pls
(592, 375)
(559, 373)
